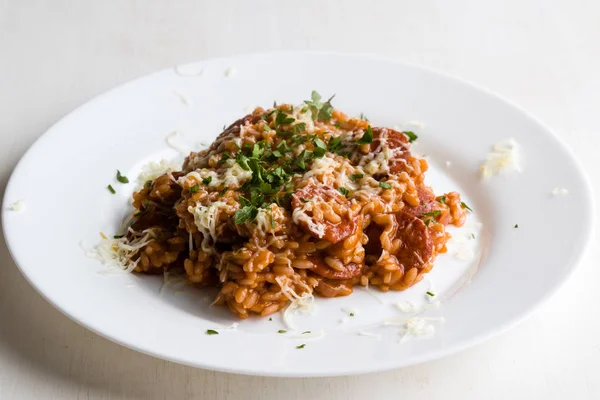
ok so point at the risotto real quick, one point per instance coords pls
(291, 202)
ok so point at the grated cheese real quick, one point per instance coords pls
(17, 206)
(418, 327)
(176, 146)
(560, 192)
(154, 169)
(205, 218)
(184, 98)
(299, 215)
(504, 157)
(189, 70)
(304, 304)
(369, 334)
(231, 71)
(407, 307)
(119, 252)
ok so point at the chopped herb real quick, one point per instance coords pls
(274, 103)
(464, 205)
(207, 180)
(272, 221)
(430, 294)
(224, 158)
(301, 346)
(305, 332)
(222, 192)
(118, 236)
(344, 191)
(266, 128)
(352, 314)
(121, 178)
(245, 214)
(367, 137)
(411, 136)
(148, 183)
(516, 226)
(473, 235)
(337, 125)
(320, 110)
(194, 189)
(355, 177)
(211, 332)
(320, 144)
(112, 190)
(335, 144)
(443, 199)
(319, 152)
(285, 135)
(301, 127)
(270, 319)
(385, 185)
(281, 331)
(283, 119)
(364, 117)
(433, 213)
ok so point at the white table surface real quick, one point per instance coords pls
(544, 55)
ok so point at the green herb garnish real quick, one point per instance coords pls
(211, 332)
(207, 180)
(194, 189)
(443, 199)
(464, 205)
(411, 136)
(320, 110)
(355, 177)
(352, 314)
(385, 185)
(112, 190)
(118, 236)
(430, 293)
(281, 331)
(222, 192)
(367, 137)
(364, 117)
(344, 191)
(516, 226)
(305, 332)
(301, 346)
(121, 178)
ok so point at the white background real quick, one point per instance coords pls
(544, 55)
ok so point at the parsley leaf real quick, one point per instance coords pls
(356, 177)
(245, 214)
(207, 180)
(430, 293)
(367, 137)
(283, 119)
(194, 189)
(364, 117)
(464, 205)
(301, 127)
(411, 136)
(516, 226)
(344, 191)
(301, 346)
(211, 332)
(281, 331)
(433, 213)
(112, 190)
(320, 110)
(385, 185)
(443, 199)
(121, 178)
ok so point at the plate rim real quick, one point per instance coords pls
(588, 228)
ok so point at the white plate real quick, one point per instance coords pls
(63, 177)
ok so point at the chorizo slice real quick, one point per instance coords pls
(323, 212)
(397, 142)
(416, 247)
(426, 202)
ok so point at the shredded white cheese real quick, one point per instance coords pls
(504, 157)
(118, 252)
(407, 307)
(189, 70)
(170, 139)
(369, 334)
(464, 253)
(304, 304)
(560, 192)
(185, 99)
(17, 206)
(299, 215)
(154, 169)
(230, 72)
(418, 327)
(205, 218)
